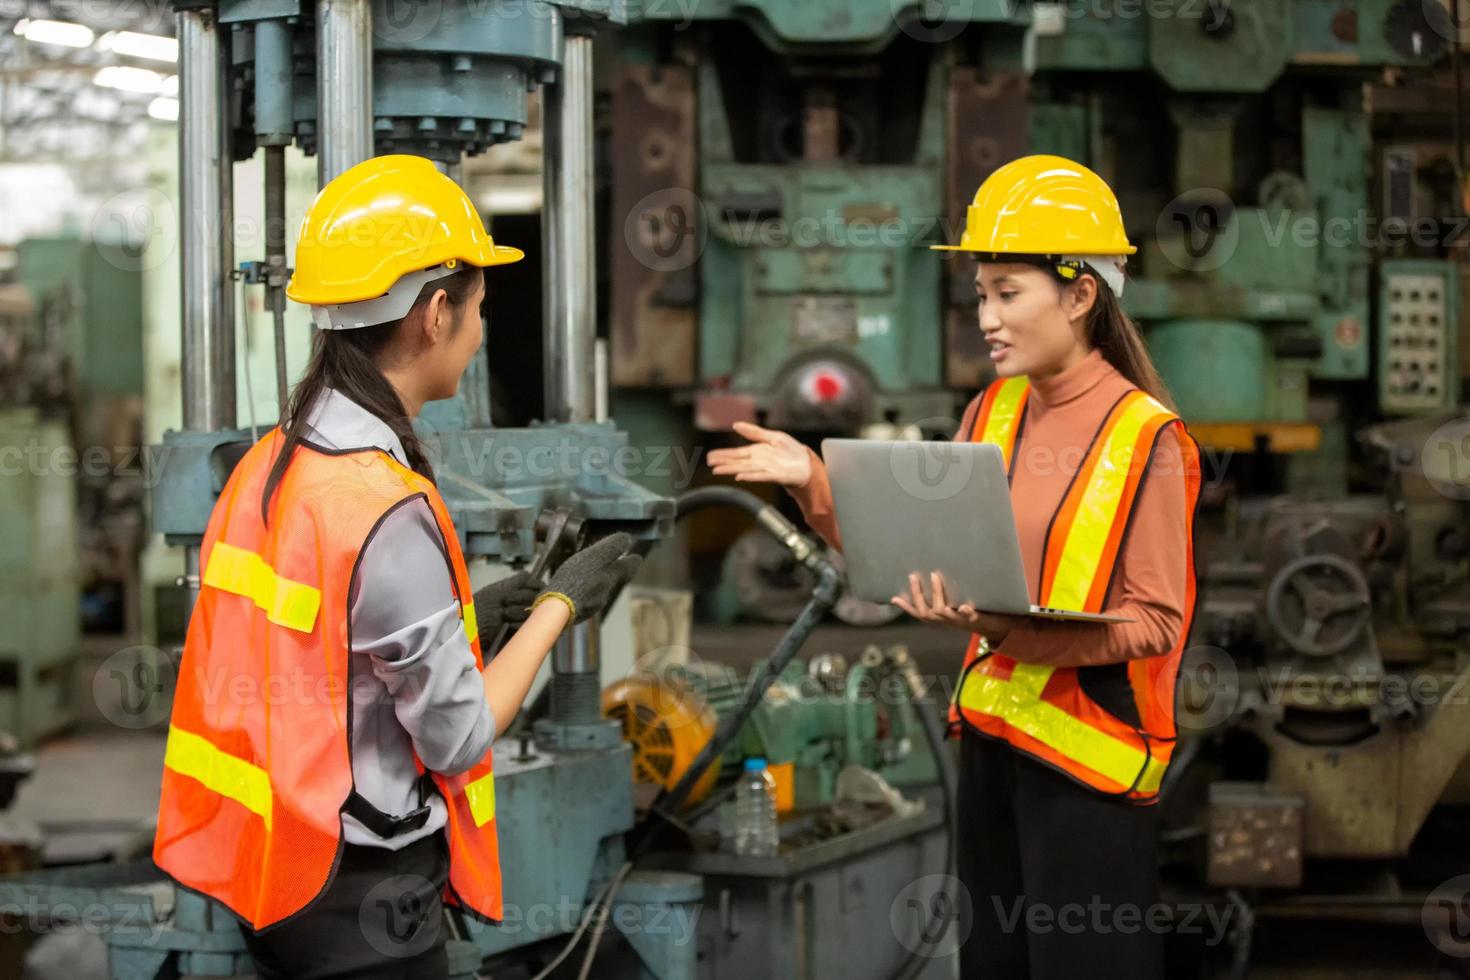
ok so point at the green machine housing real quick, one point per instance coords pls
(779, 169)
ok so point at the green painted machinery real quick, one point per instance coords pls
(1238, 138)
(820, 716)
(778, 169)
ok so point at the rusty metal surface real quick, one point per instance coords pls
(718, 411)
(654, 230)
(1371, 798)
(985, 127)
(1255, 837)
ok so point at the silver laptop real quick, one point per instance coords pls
(925, 507)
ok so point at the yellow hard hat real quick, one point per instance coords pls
(380, 221)
(1044, 205)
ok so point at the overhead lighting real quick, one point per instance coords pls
(55, 32)
(131, 44)
(164, 108)
(139, 80)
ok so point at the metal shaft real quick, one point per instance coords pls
(567, 233)
(206, 240)
(576, 676)
(275, 260)
(344, 87)
(206, 237)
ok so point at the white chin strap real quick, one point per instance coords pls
(392, 305)
(1108, 268)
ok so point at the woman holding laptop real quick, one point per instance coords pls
(1066, 728)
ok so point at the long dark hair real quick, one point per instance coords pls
(1114, 333)
(347, 361)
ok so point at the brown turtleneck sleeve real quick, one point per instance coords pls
(1062, 415)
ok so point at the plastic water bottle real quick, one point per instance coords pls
(755, 811)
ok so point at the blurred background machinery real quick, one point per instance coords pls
(745, 192)
(344, 81)
(1294, 175)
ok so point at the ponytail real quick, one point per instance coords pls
(1113, 332)
(347, 361)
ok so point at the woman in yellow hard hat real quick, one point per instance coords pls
(328, 775)
(1066, 728)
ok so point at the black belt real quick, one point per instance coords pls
(386, 825)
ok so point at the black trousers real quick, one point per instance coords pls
(382, 916)
(1062, 881)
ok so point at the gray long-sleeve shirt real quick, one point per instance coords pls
(415, 687)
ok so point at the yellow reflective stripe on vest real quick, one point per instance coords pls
(244, 573)
(233, 778)
(1088, 534)
(481, 796)
(1005, 412)
(1102, 753)
(1030, 678)
(471, 625)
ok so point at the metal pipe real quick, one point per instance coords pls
(344, 85)
(567, 233)
(206, 245)
(600, 380)
(275, 260)
(474, 384)
(577, 651)
(274, 74)
(576, 676)
(206, 237)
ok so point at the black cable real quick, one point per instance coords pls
(828, 590)
(928, 713)
(824, 597)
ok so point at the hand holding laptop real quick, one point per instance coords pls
(917, 508)
(993, 626)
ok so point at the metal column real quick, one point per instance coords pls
(571, 332)
(567, 236)
(206, 235)
(274, 83)
(344, 85)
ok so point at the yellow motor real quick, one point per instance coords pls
(668, 724)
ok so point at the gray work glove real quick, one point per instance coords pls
(588, 579)
(505, 601)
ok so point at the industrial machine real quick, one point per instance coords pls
(781, 167)
(815, 719)
(346, 79)
(39, 527)
(1300, 282)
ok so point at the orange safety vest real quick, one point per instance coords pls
(1048, 712)
(257, 770)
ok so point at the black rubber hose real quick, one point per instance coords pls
(943, 904)
(828, 590)
(768, 517)
(824, 597)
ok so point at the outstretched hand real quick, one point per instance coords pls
(770, 457)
